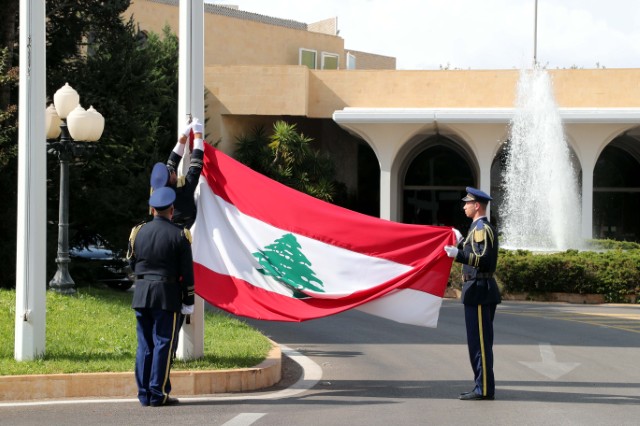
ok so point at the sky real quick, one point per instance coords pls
(477, 34)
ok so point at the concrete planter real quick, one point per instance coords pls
(123, 385)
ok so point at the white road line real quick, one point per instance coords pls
(244, 419)
(311, 374)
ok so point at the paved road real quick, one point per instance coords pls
(556, 364)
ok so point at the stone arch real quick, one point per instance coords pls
(616, 189)
(433, 172)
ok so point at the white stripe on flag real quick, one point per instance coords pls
(406, 306)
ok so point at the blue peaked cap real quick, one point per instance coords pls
(162, 198)
(159, 176)
(474, 194)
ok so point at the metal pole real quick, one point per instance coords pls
(31, 279)
(535, 36)
(191, 102)
(62, 281)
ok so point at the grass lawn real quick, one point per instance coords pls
(95, 331)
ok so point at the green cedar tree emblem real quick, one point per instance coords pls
(284, 261)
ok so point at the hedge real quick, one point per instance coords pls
(611, 269)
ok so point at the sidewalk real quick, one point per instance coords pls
(123, 385)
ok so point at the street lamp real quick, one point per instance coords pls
(70, 129)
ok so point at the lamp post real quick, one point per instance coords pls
(70, 130)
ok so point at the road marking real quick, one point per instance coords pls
(549, 366)
(244, 419)
(625, 322)
(311, 375)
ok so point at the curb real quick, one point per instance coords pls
(123, 385)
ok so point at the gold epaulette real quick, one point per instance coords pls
(478, 235)
(132, 239)
(187, 234)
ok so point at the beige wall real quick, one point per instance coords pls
(295, 90)
(233, 41)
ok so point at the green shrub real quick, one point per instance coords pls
(612, 271)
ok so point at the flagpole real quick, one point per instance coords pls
(191, 104)
(31, 283)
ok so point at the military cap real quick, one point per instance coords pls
(474, 194)
(159, 176)
(162, 198)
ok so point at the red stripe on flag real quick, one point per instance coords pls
(257, 196)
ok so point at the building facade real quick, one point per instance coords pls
(411, 141)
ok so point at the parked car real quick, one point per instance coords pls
(94, 259)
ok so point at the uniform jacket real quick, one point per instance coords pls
(184, 205)
(479, 256)
(160, 257)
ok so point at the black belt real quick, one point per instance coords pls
(154, 277)
(478, 275)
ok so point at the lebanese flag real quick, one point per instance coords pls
(263, 250)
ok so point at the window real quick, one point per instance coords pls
(308, 57)
(330, 61)
(351, 61)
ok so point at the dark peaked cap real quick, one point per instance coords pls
(159, 176)
(162, 198)
(474, 194)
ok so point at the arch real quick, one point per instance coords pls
(616, 189)
(433, 174)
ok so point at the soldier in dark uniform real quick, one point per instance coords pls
(160, 257)
(185, 208)
(480, 293)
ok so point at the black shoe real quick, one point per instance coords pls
(466, 393)
(168, 401)
(472, 396)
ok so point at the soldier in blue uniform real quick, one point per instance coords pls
(160, 256)
(185, 208)
(480, 293)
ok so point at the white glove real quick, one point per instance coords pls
(451, 251)
(197, 126)
(459, 236)
(186, 130)
(186, 309)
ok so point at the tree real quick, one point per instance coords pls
(131, 78)
(134, 86)
(287, 157)
(8, 167)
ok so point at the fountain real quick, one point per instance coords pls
(541, 204)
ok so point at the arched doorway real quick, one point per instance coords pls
(616, 191)
(435, 182)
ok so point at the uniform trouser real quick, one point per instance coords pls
(157, 332)
(479, 321)
(175, 345)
